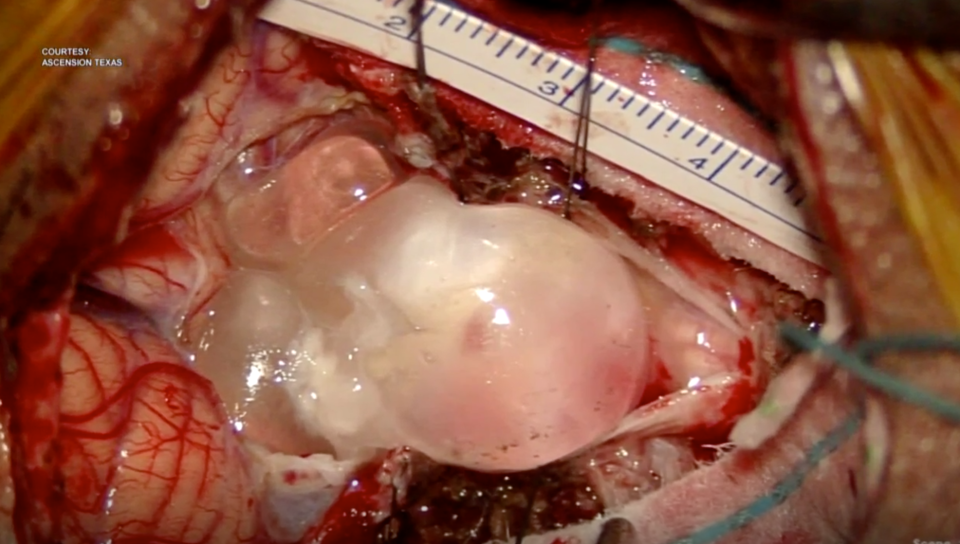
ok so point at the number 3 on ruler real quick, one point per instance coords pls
(396, 22)
(548, 88)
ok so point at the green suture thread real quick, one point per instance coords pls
(858, 362)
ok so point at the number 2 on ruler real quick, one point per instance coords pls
(396, 22)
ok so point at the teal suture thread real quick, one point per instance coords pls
(636, 49)
(857, 361)
(684, 67)
(780, 492)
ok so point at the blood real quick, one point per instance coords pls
(356, 515)
(31, 391)
(745, 395)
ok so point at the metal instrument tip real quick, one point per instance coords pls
(416, 17)
(578, 167)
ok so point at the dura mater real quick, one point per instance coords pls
(167, 269)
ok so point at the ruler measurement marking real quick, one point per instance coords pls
(673, 125)
(573, 91)
(626, 104)
(643, 109)
(536, 59)
(703, 140)
(656, 120)
(745, 165)
(613, 95)
(523, 50)
(688, 132)
(417, 25)
(504, 48)
(492, 37)
(776, 179)
(723, 164)
(718, 148)
(568, 72)
(760, 207)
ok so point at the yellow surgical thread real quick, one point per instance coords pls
(26, 28)
(908, 104)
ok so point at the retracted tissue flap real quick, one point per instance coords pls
(513, 338)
